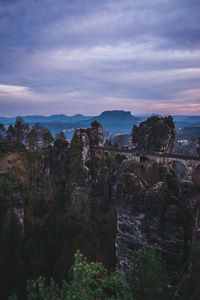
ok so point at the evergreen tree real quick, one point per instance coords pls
(2, 130)
(88, 282)
(11, 257)
(32, 139)
(11, 134)
(47, 139)
(19, 129)
(146, 278)
(189, 287)
(61, 136)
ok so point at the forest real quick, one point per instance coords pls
(57, 239)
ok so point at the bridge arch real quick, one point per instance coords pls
(180, 168)
(106, 155)
(119, 158)
(196, 176)
(98, 152)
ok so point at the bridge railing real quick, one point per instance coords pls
(143, 153)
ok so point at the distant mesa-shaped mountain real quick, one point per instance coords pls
(113, 121)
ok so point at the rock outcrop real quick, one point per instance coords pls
(89, 138)
(154, 134)
(95, 134)
(159, 215)
(198, 147)
(85, 144)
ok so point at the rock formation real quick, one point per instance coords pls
(198, 147)
(90, 137)
(109, 205)
(85, 144)
(154, 134)
(159, 214)
(95, 134)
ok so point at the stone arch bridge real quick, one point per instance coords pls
(190, 163)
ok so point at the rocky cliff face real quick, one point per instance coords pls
(198, 147)
(85, 144)
(159, 215)
(90, 137)
(95, 134)
(94, 212)
(109, 203)
(154, 134)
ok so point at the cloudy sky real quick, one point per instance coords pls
(87, 56)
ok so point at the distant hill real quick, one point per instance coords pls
(113, 121)
(52, 118)
(186, 121)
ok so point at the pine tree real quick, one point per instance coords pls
(19, 129)
(32, 139)
(11, 134)
(47, 139)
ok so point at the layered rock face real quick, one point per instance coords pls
(95, 134)
(85, 144)
(160, 215)
(94, 213)
(198, 147)
(90, 137)
(154, 134)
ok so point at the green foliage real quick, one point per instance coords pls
(61, 136)
(11, 133)
(75, 158)
(190, 288)
(7, 187)
(32, 139)
(19, 129)
(146, 277)
(47, 139)
(2, 130)
(11, 256)
(89, 281)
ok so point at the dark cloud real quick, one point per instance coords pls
(78, 54)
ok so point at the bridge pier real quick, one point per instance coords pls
(190, 163)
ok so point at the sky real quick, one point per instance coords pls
(87, 56)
